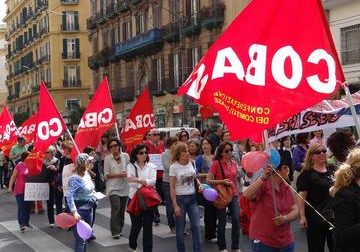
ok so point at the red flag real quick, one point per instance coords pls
(98, 117)
(50, 123)
(28, 128)
(262, 70)
(8, 131)
(34, 162)
(139, 121)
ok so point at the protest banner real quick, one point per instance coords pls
(36, 191)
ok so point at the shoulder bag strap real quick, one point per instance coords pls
(136, 171)
(222, 170)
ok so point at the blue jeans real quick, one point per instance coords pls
(235, 229)
(23, 210)
(188, 205)
(260, 247)
(87, 216)
(169, 206)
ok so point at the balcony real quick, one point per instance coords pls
(100, 17)
(43, 31)
(123, 94)
(35, 90)
(171, 32)
(212, 16)
(71, 83)
(111, 11)
(91, 23)
(146, 43)
(70, 56)
(103, 57)
(71, 27)
(191, 25)
(122, 6)
(111, 55)
(93, 62)
(68, 2)
(13, 97)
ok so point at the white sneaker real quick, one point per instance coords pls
(224, 250)
(235, 250)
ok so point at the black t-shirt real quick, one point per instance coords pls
(317, 186)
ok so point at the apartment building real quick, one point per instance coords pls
(156, 43)
(3, 90)
(344, 21)
(47, 40)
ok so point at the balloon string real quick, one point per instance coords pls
(301, 197)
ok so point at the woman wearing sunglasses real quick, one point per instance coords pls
(313, 184)
(141, 172)
(224, 171)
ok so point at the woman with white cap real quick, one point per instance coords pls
(80, 196)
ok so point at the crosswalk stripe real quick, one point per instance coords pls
(161, 230)
(36, 238)
(103, 237)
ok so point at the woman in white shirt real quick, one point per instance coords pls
(141, 172)
(183, 195)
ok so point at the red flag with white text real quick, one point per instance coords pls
(28, 128)
(98, 117)
(8, 131)
(139, 121)
(261, 71)
(34, 162)
(50, 123)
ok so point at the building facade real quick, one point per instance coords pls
(47, 40)
(3, 90)
(344, 21)
(156, 43)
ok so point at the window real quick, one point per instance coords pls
(176, 73)
(127, 30)
(70, 21)
(195, 56)
(72, 104)
(140, 24)
(116, 36)
(174, 10)
(71, 48)
(157, 14)
(350, 44)
(71, 76)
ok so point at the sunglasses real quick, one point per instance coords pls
(319, 152)
(142, 153)
(156, 134)
(183, 135)
(228, 150)
(47, 152)
(113, 146)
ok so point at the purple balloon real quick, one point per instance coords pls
(210, 194)
(84, 230)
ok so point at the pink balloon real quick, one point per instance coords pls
(84, 230)
(254, 160)
(65, 220)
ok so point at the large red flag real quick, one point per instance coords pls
(8, 131)
(98, 117)
(139, 121)
(28, 128)
(50, 123)
(262, 70)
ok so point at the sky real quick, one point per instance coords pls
(2, 10)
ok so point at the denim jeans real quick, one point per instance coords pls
(188, 205)
(118, 206)
(23, 210)
(169, 206)
(80, 243)
(260, 247)
(144, 220)
(235, 229)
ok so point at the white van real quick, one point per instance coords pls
(172, 131)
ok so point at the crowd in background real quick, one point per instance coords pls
(324, 172)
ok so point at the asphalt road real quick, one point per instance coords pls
(43, 238)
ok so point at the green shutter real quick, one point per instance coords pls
(64, 21)
(64, 48)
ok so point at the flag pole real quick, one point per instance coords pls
(72, 139)
(352, 108)
(267, 148)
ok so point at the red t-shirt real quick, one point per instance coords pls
(155, 148)
(262, 226)
(230, 172)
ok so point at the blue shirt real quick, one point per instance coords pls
(79, 188)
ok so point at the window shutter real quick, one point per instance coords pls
(65, 48)
(188, 8)
(76, 20)
(124, 31)
(66, 74)
(161, 86)
(77, 48)
(137, 25)
(189, 65)
(154, 72)
(77, 73)
(64, 21)
(171, 71)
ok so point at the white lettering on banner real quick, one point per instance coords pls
(93, 119)
(227, 62)
(27, 130)
(9, 128)
(52, 128)
(141, 121)
(36, 191)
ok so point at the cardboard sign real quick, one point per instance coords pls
(156, 160)
(36, 191)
